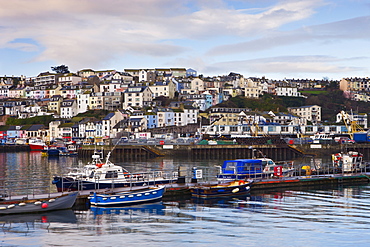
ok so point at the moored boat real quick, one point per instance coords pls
(350, 161)
(252, 168)
(24, 206)
(37, 145)
(102, 175)
(233, 188)
(133, 196)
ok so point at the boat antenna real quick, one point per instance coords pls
(108, 155)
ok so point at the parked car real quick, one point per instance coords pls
(349, 141)
(346, 140)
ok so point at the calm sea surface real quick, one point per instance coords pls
(332, 216)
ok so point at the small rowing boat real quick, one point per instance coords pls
(25, 206)
(233, 188)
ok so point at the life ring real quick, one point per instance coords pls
(241, 182)
(99, 165)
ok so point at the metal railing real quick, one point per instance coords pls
(28, 188)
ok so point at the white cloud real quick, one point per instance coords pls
(95, 33)
(289, 65)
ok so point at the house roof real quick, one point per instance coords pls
(109, 116)
(35, 127)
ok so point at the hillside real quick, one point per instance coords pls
(331, 102)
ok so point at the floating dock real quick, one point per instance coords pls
(177, 191)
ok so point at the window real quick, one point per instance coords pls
(111, 174)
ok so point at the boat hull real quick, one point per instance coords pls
(128, 198)
(37, 147)
(37, 206)
(215, 191)
(70, 184)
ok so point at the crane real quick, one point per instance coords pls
(351, 125)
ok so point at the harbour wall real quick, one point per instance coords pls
(277, 152)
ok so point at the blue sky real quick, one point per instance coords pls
(271, 38)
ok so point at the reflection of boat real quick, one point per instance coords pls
(221, 190)
(251, 168)
(37, 205)
(61, 216)
(37, 145)
(154, 208)
(220, 201)
(102, 175)
(348, 161)
(135, 196)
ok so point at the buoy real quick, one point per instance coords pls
(37, 203)
(11, 206)
(22, 204)
(52, 200)
(44, 205)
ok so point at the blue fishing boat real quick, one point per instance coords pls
(252, 168)
(136, 196)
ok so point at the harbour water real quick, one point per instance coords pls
(330, 216)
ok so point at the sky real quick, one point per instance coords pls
(276, 39)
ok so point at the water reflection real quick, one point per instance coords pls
(151, 208)
(60, 216)
(315, 216)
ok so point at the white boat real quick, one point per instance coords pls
(322, 137)
(103, 175)
(350, 161)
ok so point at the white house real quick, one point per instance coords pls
(312, 112)
(185, 116)
(137, 97)
(360, 118)
(288, 91)
(70, 79)
(68, 108)
(166, 89)
(83, 102)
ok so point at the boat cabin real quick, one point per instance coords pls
(243, 166)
